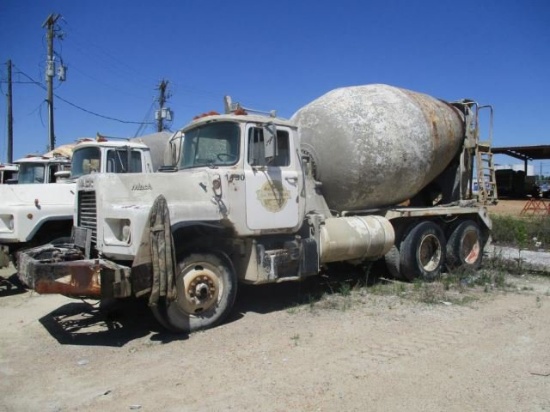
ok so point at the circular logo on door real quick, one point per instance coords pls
(273, 196)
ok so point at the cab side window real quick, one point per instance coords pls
(117, 161)
(256, 154)
(53, 170)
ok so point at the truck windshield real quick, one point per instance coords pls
(212, 144)
(85, 161)
(31, 173)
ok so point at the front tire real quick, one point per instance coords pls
(206, 290)
(423, 252)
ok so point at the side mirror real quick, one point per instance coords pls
(173, 153)
(62, 175)
(270, 141)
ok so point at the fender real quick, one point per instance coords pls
(37, 227)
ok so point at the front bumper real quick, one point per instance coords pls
(62, 269)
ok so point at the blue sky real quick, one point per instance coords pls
(271, 55)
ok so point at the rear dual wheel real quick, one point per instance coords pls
(422, 252)
(464, 247)
(206, 290)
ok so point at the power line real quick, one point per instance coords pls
(77, 106)
(97, 114)
(117, 66)
(103, 83)
(141, 128)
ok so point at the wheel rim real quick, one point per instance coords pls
(200, 288)
(471, 247)
(429, 253)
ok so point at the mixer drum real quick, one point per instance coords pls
(377, 145)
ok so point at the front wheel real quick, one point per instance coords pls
(206, 290)
(423, 252)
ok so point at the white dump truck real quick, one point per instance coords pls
(39, 208)
(362, 173)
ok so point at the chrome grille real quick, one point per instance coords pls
(87, 213)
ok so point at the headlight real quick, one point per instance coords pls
(117, 232)
(126, 232)
(7, 222)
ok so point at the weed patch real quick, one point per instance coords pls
(530, 232)
(343, 290)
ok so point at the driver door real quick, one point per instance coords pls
(272, 184)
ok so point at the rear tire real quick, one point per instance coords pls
(464, 247)
(206, 290)
(393, 263)
(423, 252)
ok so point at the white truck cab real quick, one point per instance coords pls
(110, 156)
(35, 169)
(223, 157)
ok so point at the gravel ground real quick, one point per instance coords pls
(362, 351)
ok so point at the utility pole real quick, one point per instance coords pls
(10, 116)
(163, 113)
(50, 73)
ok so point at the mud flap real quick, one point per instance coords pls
(154, 265)
(4, 257)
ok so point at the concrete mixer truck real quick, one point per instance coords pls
(362, 173)
(39, 208)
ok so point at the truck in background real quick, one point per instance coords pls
(362, 173)
(8, 173)
(43, 169)
(39, 209)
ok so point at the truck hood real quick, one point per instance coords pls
(45, 194)
(129, 197)
(190, 190)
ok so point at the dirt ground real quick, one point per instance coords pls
(365, 352)
(512, 208)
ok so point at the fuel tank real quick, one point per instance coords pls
(377, 145)
(355, 238)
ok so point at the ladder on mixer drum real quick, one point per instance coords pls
(486, 176)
